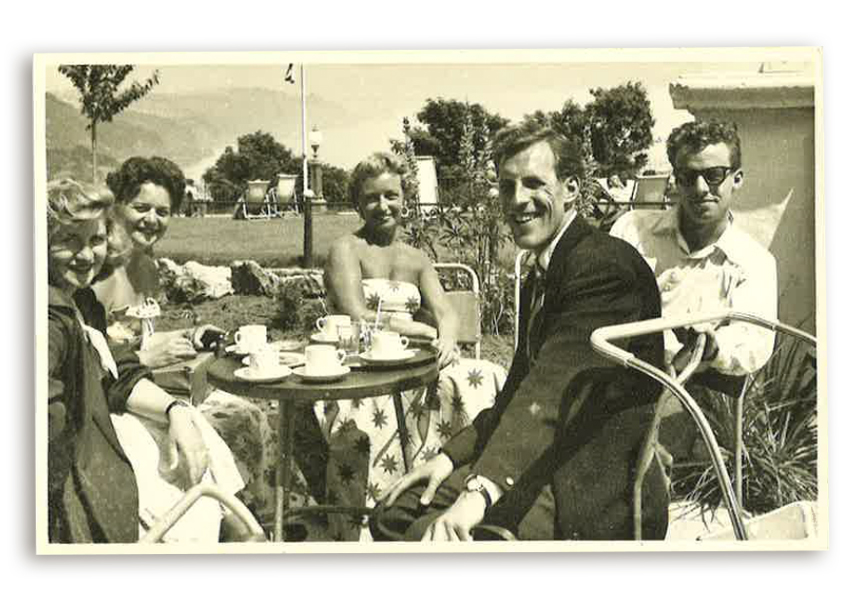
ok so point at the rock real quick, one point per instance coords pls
(193, 282)
(310, 282)
(249, 278)
(216, 279)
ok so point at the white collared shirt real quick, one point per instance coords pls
(545, 256)
(735, 272)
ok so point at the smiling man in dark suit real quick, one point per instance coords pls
(554, 457)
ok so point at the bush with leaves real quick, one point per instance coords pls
(780, 436)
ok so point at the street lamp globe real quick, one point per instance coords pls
(315, 141)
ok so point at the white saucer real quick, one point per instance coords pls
(322, 338)
(287, 358)
(322, 378)
(246, 374)
(240, 351)
(399, 357)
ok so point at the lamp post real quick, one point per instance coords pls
(316, 141)
(314, 194)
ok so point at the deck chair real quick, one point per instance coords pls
(467, 305)
(649, 192)
(284, 195)
(254, 203)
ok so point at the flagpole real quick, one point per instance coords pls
(304, 131)
(308, 201)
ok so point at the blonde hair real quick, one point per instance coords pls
(70, 202)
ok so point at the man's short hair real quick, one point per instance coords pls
(695, 136)
(374, 166)
(569, 157)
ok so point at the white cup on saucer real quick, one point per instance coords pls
(250, 337)
(322, 359)
(264, 360)
(387, 344)
(328, 325)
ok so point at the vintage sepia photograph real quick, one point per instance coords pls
(354, 301)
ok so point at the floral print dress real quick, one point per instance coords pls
(365, 448)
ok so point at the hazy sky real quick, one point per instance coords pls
(382, 94)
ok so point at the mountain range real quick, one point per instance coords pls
(191, 129)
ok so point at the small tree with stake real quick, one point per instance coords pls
(101, 99)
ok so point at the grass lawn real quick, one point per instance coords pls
(272, 243)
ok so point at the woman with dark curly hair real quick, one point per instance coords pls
(147, 192)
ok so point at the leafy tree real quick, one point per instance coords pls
(621, 124)
(444, 121)
(259, 155)
(98, 86)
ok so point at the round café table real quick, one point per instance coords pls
(363, 381)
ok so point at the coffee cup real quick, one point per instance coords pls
(250, 337)
(329, 325)
(264, 359)
(388, 343)
(322, 359)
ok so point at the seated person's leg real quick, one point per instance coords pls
(310, 450)
(407, 519)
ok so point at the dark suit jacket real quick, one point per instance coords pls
(553, 414)
(92, 495)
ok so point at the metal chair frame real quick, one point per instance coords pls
(203, 489)
(601, 342)
(470, 332)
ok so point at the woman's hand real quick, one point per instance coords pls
(435, 471)
(447, 351)
(167, 349)
(192, 455)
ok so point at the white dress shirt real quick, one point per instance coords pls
(735, 272)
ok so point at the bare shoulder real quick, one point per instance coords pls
(346, 246)
(414, 256)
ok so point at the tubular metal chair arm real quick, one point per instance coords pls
(502, 534)
(203, 489)
(601, 339)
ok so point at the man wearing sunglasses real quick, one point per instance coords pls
(702, 260)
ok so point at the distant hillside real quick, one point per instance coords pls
(188, 128)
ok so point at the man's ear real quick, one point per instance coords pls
(571, 187)
(738, 180)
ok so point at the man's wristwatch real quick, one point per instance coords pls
(474, 484)
(174, 404)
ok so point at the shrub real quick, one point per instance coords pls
(780, 435)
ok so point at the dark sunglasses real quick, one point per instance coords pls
(714, 176)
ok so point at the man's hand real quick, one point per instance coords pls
(455, 523)
(447, 350)
(166, 349)
(689, 338)
(435, 471)
(192, 456)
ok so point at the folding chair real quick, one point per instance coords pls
(650, 192)
(255, 201)
(467, 305)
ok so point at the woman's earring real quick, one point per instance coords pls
(405, 212)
